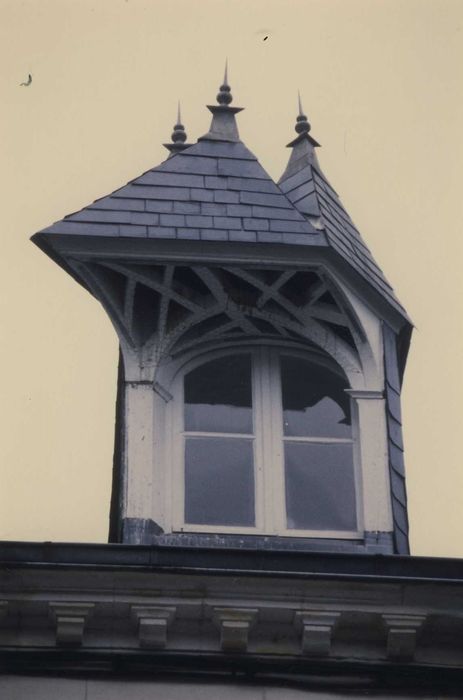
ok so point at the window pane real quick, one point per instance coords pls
(218, 396)
(219, 481)
(320, 493)
(314, 401)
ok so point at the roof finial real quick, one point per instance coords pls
(178, 135)
(225, 97)
(302, 125)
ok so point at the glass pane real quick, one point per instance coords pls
(219, 481)
(218, 396)
(314, 401)
(320, 493)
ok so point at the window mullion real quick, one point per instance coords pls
(258, 428)
(274, 444)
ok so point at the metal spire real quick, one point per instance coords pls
(302, 124)
(179, 133)
(225, 97)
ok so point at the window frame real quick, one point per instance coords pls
(268, 438)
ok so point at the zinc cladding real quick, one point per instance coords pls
(212, 190)
(311, 193)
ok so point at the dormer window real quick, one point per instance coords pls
(267, 445)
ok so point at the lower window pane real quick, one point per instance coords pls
(219, 481)
(320, 491)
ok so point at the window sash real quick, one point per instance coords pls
(269, 460)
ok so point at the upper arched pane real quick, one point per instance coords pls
(218, 396)
(315, 403)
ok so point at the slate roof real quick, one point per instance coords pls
(213, 190)
(307, 188)
(216, 190)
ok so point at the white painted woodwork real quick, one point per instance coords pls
(153, 456)
(372, 445)
(140, 445)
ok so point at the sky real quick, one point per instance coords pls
(382, 84)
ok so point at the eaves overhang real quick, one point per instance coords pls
(301, 251)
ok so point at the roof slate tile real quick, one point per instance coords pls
(120, 203)
(251, 185)
(227, 222)
(172, 220)
(243, 236)
(152, 177)
(199, 221)
(182, 163)
(239, 209)
(154, 192)
(219, 149)
(136, 231)
(159, 206)
(240, 168)
(202, 195)
(214, 209)
(187, 207)
(161, 232)
(191, 233)
(256, 224)
(226, 196)
(213, 235)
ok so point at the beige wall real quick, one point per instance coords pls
(381, 82)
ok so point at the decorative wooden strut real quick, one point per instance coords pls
(172, 308)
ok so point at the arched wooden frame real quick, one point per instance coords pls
(269, 465)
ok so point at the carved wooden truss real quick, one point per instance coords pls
(173, 307)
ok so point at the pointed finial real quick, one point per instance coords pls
(178, 135)
(225, 97)
(302, 125)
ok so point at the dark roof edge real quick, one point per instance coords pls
(202, 560)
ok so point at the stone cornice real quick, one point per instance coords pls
(143, 611)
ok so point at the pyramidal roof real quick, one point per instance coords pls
(305, 185)
(216, 190)
(212, 190)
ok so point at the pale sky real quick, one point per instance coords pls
(382, 84)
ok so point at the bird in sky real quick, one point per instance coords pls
(28, 82)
